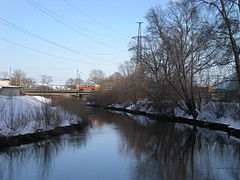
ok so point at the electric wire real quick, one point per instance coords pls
(71, 22)
(93, 19)
(47, 54)
(18, 28)
(60, 20)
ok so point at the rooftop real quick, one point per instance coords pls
(9, 86)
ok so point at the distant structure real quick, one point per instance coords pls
(49, 87)
(7, 90)
(139, 46)
(4, 81)
(58, 87)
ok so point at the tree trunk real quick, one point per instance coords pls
(234, 45)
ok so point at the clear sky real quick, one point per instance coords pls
(66, 35)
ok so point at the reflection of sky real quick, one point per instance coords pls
(98, 160)
(119, 15)
(121, 148)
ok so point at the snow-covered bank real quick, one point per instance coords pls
(215, 112)
(29, 114)
(143, 106)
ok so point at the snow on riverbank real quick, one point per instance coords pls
(29, 114)
(218, 112)
(144, 106)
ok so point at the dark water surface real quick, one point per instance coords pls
(122, 147)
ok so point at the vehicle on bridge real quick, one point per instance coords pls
(87, 87)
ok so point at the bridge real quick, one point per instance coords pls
(71, 92)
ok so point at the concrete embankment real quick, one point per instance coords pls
(196, 123)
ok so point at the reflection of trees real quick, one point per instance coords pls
(72, 105)
(164, 151)
(13, 160)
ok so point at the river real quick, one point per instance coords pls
(118, 146)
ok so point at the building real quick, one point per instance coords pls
(7, 90)
(4, 81)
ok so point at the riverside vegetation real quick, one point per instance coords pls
(25, 119)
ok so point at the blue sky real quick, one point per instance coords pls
(97, 33)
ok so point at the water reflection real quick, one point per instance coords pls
(170, 151)
(150, 150)
(41, 156)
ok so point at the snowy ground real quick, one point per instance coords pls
(29, 114)
(219, 112)
(144, 106)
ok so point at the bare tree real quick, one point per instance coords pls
(46, 79)
(176, 50)
(226, 27)
(132, 84)
(73, 81)
(123, 87)
(127, 68)
(19, 78)
(96, 76)
(28, 82)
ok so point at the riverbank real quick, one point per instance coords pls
(39, 136)
(28, 119)
(196, 123)
(160, 150)
(21, 115)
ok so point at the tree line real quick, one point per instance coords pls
(185, 44)
(20, 78)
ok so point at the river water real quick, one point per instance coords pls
(119, 146)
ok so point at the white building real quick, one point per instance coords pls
(4, 81)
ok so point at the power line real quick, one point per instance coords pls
(47, 54)
(60, 20)
(77, 25)
(93, 19)
(71, 22)
(14, 26)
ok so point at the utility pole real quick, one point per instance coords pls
(139, 42)
(79, 80)
(10, 75)
(78, 77)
